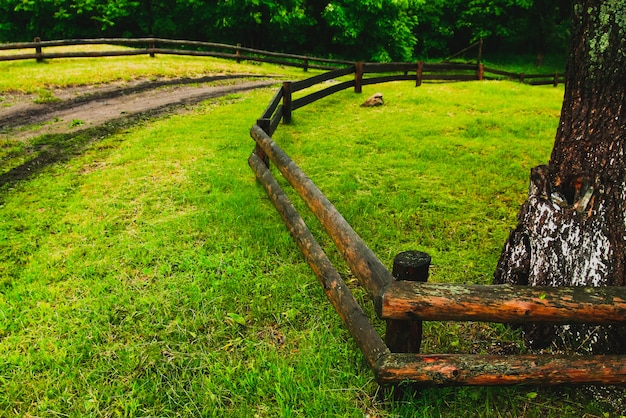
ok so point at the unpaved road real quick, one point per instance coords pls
(79, 116)
(84, 107)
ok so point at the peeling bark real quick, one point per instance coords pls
(572, 229)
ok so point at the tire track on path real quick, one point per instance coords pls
(88, 114)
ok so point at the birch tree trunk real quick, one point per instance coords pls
(572, 228)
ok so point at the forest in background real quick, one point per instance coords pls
(369, 30)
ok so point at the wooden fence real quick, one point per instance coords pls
(403, 298)
(152, 46)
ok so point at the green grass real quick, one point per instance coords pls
(149, 275)
(450, 158)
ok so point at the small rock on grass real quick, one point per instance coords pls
(375, 100)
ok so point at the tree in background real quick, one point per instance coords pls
(264, 23)
(37, 17)
(378, 30)
(572, 228)
(527, 26)
(374, 30)
(437, 28)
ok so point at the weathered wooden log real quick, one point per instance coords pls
(364, 264)
(489, 370)
(347, 307)
(406, 336)
(504, 303)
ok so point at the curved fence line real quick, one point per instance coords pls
(403, 299)
(152, 46)
(282, 104)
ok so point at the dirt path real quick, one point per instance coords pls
(79, 116)
(85, 107)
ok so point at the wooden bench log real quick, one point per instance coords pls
(406, 336)
(490, 370)
(503, 303)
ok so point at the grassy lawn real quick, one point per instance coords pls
(150, 275)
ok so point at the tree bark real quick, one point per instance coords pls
(572, 228)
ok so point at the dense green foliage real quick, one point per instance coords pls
(380, 30)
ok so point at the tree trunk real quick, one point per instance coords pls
(572, 228)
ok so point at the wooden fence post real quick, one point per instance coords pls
(238, 53)
(556, 79)
(358, 77)
(151, 46)
(306, 65)
(406, 336)
(38, 51)
(286, 102)
(418, 73)
(521, 77)
(480, 71)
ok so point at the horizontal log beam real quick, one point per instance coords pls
(490, 370)
(338, 293)
(503, 303)
(364, 264)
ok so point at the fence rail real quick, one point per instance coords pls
(152, 46)
(403, 298)
(148, 46)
